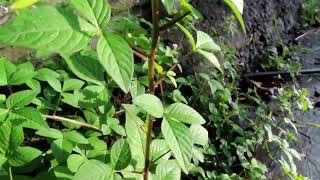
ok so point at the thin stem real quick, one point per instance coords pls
(57, 105)
(10, 173)
(58, 118)
(173, 22)
(141, 55)
(155, 38)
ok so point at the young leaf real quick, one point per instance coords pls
(168, 170)
(120, 154)
(21, 99)
(210, 57)
(10, 137)
(72, 84)
(86, 68)
(237, 8)
(136, 136)
(199, 135)
(6, 70)
(98, 12)
(48, 28)
(183, 113)
(23, 155)
(93, 170)
(149, 103)
(75, 161)
(54, 83)
(178, 138)
(61, 149)
(116, 57)
(205, 42)
(23, 73)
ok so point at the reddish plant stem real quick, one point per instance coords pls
(155, 38)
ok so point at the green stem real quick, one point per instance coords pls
(57, 105)
(10, 173)
(155, 37)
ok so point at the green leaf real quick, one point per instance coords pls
(205, 42)
(3, 160)
(136, 136)
(118, 129)
(120, 154)
(29, 117)
(149, 103)
(6, 70)
(93, 170)
(183, 113)
(168, 4)
(199, 135)
(48, 28)
(51, 133)
(75, 137)
(210, 57)
(21, 99)
(168, 170)
(136, 89)
(72, 84)
(98, 12)
(43, 73)
(237, 8)
(116, 57)
(23, 73)
(178, 137)
(160, 151)
(188, 34)
(61, 149)
(75, 161)
(62, 172)
(24, 155)
(86, 68)
(54, 83)
(10, 137)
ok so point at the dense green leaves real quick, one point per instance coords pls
(98, 12)
(168, 170)
(10, 137)
(178, 138)
(184, 113)
(120, 154)
(116, 56)
(47, 28)
(150, 103)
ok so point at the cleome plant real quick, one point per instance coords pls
(94, 107)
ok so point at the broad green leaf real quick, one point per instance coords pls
(210, 57)
(54, 83)
(23, 73)
(74, 161)
(197, 154)
(149, 103)
(116, 57)
(160, 151)
(72, 84)
(169, 5)
(98, 12)
(188, 34)
(136, 89)
(43, 73)
(120, 154)
(48, 28)
(136, 137)
(118, 129)
(21, 4)
(23, 155)
(183, 113)
(61, 149)
(34, 84)
(29, 117)
(179, 139)
(168, 170)
(237, 8)
(62, 172)
(205, 42)
(21, 99)
(86, 68)
(3, 160)
(199, 135)
(75, 137)
(51, 133)
(93, 170)
(6, 70)
(11, 137)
